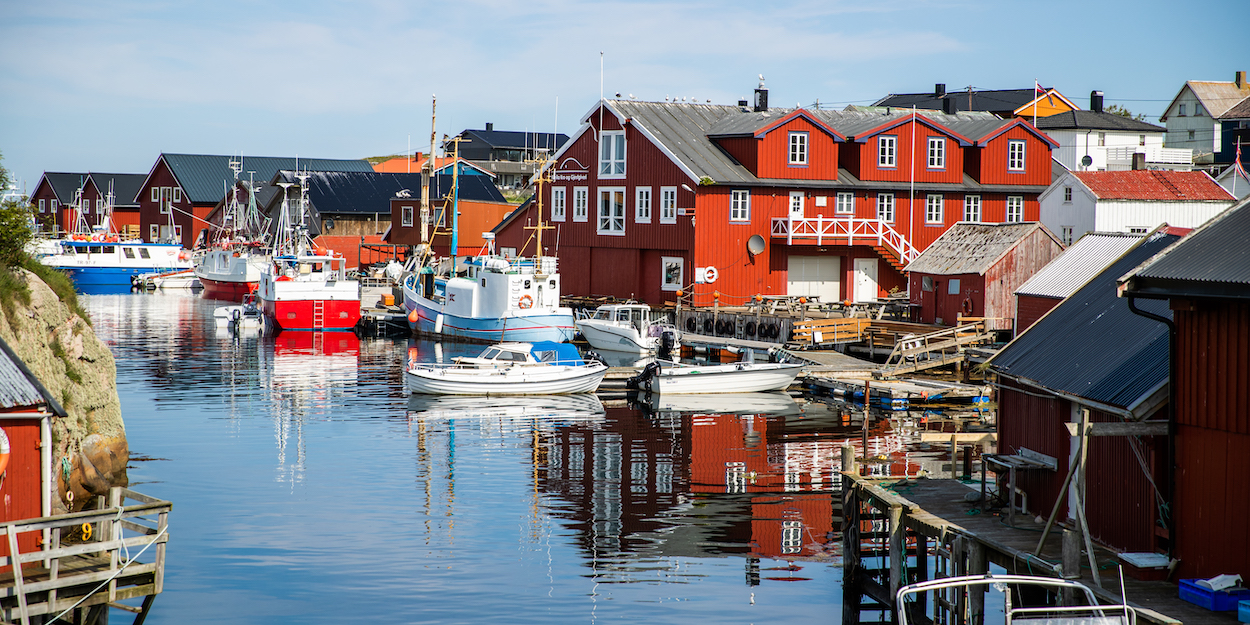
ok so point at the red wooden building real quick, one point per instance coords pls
(973, 269)
(119, 190)
(1205, 279)
(649, 198)
(481, 207)
(53, 199)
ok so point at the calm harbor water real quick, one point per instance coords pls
(308, 486)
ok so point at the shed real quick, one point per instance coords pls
(1067, 273)
(973, 270)
(1206, 280)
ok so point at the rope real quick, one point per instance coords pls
(129, 561)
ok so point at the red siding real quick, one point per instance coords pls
(1213, 367)
(1030, 308)
(912, 137)
(774, 153)
(940, 304)
(745, 150)
(1003, 278)
(993, 160)
(1028, 420)
(20, 494)
(150, 214)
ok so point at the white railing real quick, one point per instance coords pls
(1154, 155)
(829, 230)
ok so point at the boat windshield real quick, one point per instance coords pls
(494, 353)
(605, 315)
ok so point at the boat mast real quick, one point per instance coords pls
(427, 174)
(543, 174)
(455, 196)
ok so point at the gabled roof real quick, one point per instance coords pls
(1216, 96)
(125, 186)
(989, 136)
(1001, 100)
(1070, 270)
(1213, 261)
(1089, 120)
(65, 185)
(406, 165)
(969, 247)
(1153, 185)
(203, 177)
(1241, 110)
(19, 388)
(1091, 345)
(334, 192)
(515, 139)
(860, 129)
(1049, 96)
(760, 124)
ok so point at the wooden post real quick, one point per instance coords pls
(922, 568)
(848, 462)
(115, 534)
(1080, 499)
(1071, 561)
(850, 529)
(867, 415)
(898, 548)
(977, 564)
(954, 458)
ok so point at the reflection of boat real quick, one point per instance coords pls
(580, 406)
(178, 279)
(736, 377)
(1087, 613)
(539, 368)
(764, 403)
(628, 327)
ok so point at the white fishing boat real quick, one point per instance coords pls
(230, 268)
(735, 377)
(628, 327)
(548, 409)
(1084, 609)
(541, 368)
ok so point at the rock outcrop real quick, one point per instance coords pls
(89, 450)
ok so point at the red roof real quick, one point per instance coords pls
(1153, 185)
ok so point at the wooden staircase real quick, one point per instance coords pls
(890, 256)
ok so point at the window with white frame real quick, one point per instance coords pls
(1065, 234)
(937, 153)
(406, 215)
(581, 198)
(887, 151)
(612, 154)
(156, 194)
(672, 273)
(611, 211)
(668, 205)
(972, 208)
(177, 232)
(740, 205)
(1102, 139)
(1067, 195)
(798, 148)
(642, 205)
(1015, 155)
(42, 206)
(557, 203)
(154, 233)
(845, 203)
(791, 537)
(885, 207)
(53, 204)
(177, 194)
(1015, 208)
(933, 213)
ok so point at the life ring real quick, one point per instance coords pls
(750, 328)
(691, 324)
(966, 307)
(525, 302)
(710, 275)
(707, 326)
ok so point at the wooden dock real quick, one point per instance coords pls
(892, 529)
(89, 562)
(897, 394)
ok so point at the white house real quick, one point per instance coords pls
(1193, 116)
(1129, 201)
(1110, 141)
(1236, 183)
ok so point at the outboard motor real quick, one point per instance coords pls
(640, 381)
(597, 357)
(668, 340)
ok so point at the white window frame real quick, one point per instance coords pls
(154, 233)
(1016, 155)
(934, 209)
(668, 205)
(937, 152)
(156, 194)
(54, 204)
(798, 148)
(177, 194)
(887, 151)
(612, 154)
(405, 216)
(642, 205)
(1015, 209)
(740, 205)
(177, 232)
(844, 203)
(581, 204)
(559, 203)
(612, 221)
(665, 284)
(972, 208)
(1067, 195)
(43, 207)
(1065, 234)
(885, 207)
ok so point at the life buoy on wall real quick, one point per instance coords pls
(710, 275)
(525, 302)
(966, 307)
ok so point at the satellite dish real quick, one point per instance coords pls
(1086, 161)
(329, 223)
(755, 244)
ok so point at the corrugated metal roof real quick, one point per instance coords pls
(1091, 345)
(990, 100)
(1213, 260)
(65, 184)
(204, 177)
(1077, 264)
(16, 390)
(1153, 185)
(1081, 120)
(125, 186)
(1240, 111)
(1218, 96)
(336, 192)
(682, 129)
(970, 247)
(516, 139)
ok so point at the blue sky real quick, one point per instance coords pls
(108, 85)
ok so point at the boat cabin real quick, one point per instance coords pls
(537, 353)
(625, 315)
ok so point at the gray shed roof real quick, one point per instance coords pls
(970, 247)
(1212, 261)
(65, 184)
(1077, 264)
(1083, 120)
(204, 177)
(19, 388)
(125, 186)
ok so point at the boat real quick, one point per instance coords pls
(512, 368)
(241, 317)
(178, 279)
(230, 268)
(304, 287)
(1084, 609)
(629, 327)
(735, 377)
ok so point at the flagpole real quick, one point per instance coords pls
(911, 199)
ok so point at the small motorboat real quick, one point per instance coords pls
(629, 327)
(735, 377)
(1084, 610)
(538, 368)
(245, 316)
(177, 279)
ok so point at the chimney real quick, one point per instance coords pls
(948, 106)
(761, 96)
(1095, 101)
(743, 104)
(1240, 79)
(1139, 161)
(939, 90)
(490, 126)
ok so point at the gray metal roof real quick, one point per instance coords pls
(1082, 120)
(65, 184)
(1091, 345)
(970, 247)
(1077, 264)
(682, 129)
(1212, 261)
(204, 177)
(125, 186)
(18, 387)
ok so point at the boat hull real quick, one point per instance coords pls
(727, 378)
(316, 315)
(615, 338)
(110, 267)
(226, 290)
(227, 276)
(521, 328)
(521, 380)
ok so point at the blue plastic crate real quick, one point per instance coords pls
(1243, 611)
(1214, 600)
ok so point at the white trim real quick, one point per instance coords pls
(737, 196)
(971, 200)
(612, 160)
(941, 208)
(611, 218)
(850, 205)
(640, 204)
(804, 147)
(582, 193)
(668, 217)
(563, 204)
(681, 277)
(893, 161)
(1024, 154)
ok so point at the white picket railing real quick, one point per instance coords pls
(1154, 155)
(833, 231)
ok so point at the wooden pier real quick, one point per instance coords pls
(897, 394)
(896, 532)
(88, 562)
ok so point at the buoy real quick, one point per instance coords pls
(525, 302)
(413, 317)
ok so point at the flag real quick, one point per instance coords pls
(1240, 170)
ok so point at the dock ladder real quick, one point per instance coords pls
(319, 314)
(935, 349)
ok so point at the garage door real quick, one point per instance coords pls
(815, 275)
